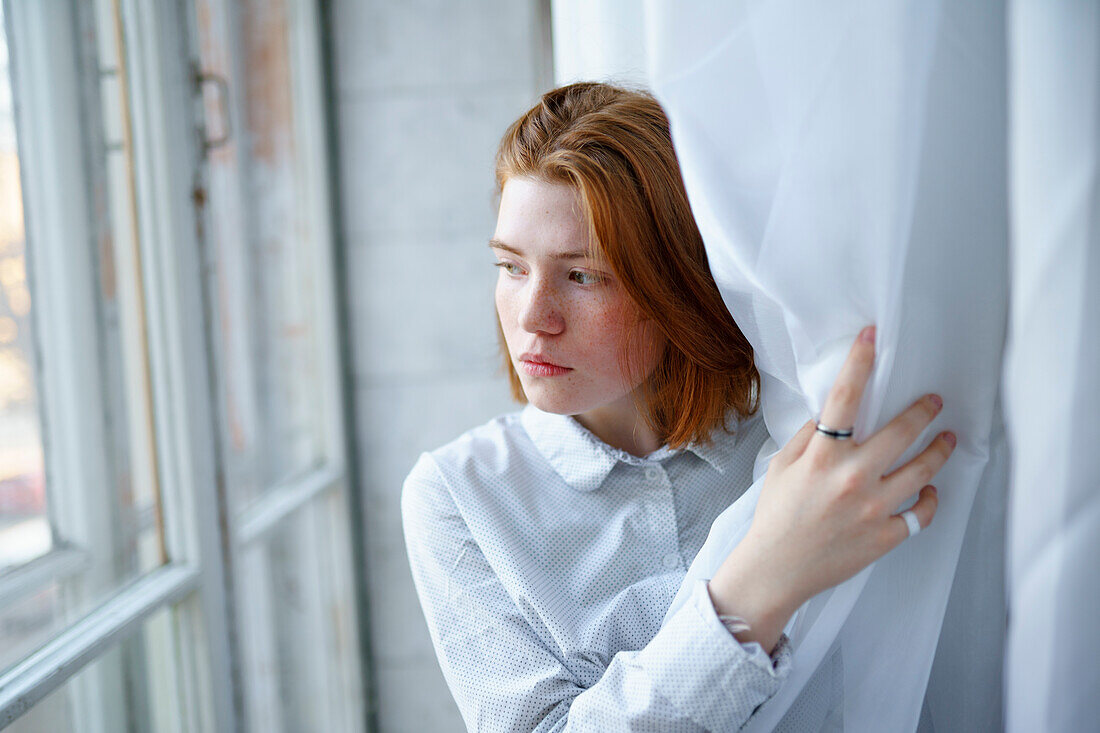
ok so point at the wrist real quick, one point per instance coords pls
(745, 588)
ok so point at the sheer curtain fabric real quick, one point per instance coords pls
(846, 164)
(1052, 367)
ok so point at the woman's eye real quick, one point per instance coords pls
(508, 267)
(584, 278)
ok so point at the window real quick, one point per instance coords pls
(175, 540)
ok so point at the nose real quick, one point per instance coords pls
(540, 309)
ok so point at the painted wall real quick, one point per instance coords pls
(600, 39)
(424, 91)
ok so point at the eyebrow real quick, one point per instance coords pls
(575, 255)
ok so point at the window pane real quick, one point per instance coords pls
(79, 488)
(123, 690)
(282, 245)
(265, 248)
(120, 291)
(24, 526)
(298, 624)
(28, 621)
(294, 584)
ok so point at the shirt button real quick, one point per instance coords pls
(671, 560)
(652, 474)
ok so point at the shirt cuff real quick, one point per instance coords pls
(780, 659)
(701, 668)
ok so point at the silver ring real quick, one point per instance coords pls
(911, 521)
(834, 433)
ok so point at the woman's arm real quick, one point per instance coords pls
(826, 511)
(505, 676)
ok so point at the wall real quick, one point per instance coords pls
(423, 93)
(600, 39)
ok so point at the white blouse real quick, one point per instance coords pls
(545, 561)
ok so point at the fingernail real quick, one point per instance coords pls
(867, 335)
(936, 400)
(950, 438)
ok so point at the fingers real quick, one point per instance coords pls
(924, 509)
(893, 440)
(842, 404)
(796, 445)
(900, 484)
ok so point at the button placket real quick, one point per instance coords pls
(663, 517)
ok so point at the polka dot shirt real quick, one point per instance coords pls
(545, 559)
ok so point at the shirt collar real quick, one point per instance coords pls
(584, 461)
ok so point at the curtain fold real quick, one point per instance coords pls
(1052, 368)
(846, 164)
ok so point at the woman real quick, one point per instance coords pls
(546, 545)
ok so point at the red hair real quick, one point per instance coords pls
(614, 146)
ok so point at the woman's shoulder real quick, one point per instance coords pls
(462, 478)
(487, 449)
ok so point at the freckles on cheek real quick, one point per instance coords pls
(605, 339)
(504, 309)
(633, 343)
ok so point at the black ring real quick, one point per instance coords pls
(833, 433)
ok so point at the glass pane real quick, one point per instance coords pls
(294, 587)
(298, 624)
(265, 248)
(69, 541)
(122, 690)
(282, 246)
(121, 299)
(28, 621)
(24, 526)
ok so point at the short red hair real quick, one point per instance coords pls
(614, 146)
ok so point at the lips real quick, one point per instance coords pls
(536, 358)
(538, 365)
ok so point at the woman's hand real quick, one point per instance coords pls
(826, 510)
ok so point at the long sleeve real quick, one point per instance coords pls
(506, 675)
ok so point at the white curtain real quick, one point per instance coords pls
(846, 164)
(1052, 383)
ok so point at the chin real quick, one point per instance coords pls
(557, 404)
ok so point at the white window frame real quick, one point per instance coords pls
(202, 538)
(305, 494)
(191, 582)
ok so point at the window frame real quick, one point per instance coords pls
(49, 80)
(309, 491)
(203, 537)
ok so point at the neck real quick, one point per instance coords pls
(621, 426)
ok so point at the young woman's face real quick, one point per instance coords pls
(565, 318)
